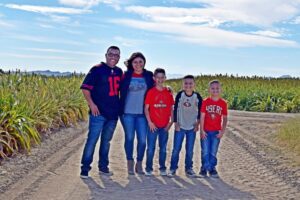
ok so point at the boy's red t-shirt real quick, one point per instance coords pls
(160, 106)
(214, 110)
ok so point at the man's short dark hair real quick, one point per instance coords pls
(159, 70)
(189, 77)
(113, 47)
(213, 82)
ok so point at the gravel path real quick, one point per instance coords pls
(249, 168)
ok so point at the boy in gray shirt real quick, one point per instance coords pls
(187, 120)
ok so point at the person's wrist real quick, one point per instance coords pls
(91, 104)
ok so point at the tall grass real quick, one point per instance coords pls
(253, 93)
(288, 135)
(33, 104)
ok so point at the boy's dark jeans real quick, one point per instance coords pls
(209, 150)
(162, 135)
(189, 148)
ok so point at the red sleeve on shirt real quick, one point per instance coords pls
(172, 102)
(225, 109)
(148, 98)
(203, 106)
(90, 80)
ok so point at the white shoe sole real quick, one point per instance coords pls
(148, 174)
(84, 177)
(106, 174)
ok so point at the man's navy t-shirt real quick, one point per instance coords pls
(103, 83)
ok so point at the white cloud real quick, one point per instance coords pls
(90, 3)
(296, 20)
(127, 41)
(206, 35)
(80, 3)
(60, 19)
(201, 24)
(253, 12)
(97, 41)
(30, 56)
(46, 26)
(6, 24)
(47, 9)
(60, 51)
(267, 33)
(41, 39)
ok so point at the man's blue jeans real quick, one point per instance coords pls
(103, 129)
(209, 150)
(162, 135)
(189, 148)
(135, 123)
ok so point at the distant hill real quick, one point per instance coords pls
(50, 73)
(174, 76)
(285, 76)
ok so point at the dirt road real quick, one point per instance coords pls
(250, 167)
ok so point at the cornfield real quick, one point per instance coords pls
(252, 93)
(31, 105)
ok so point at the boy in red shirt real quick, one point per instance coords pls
(213, 123)
(158, 110)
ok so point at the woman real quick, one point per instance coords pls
(134, 85)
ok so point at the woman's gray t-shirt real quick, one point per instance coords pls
(134, 103)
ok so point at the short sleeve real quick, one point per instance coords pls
(172, 102)
(89, 81)
(199, 105)
(225, 109)
(203, 106)
(148, 99)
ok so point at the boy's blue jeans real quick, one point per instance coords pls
(162, 135)
(103, 129)
(209, 150)
(189, 148)
(135, 123)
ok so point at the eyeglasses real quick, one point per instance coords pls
(113, 55)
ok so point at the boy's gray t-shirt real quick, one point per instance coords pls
(134, 103)
(187, 109)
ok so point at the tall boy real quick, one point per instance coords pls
(213, 124)
(101, 91)
(187, 121)
(158, 110)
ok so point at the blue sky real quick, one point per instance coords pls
(245, 37)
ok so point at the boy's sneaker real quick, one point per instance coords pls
(213, 173)
(106, 172)
(190, 173)
(84, 174)
(148, 173)
(172, 173)
(163, 172)
(202, 174)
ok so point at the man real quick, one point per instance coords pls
(101, 91)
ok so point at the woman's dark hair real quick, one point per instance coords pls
(135, 55)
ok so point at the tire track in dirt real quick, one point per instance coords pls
(245, 174)
(266, 153)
